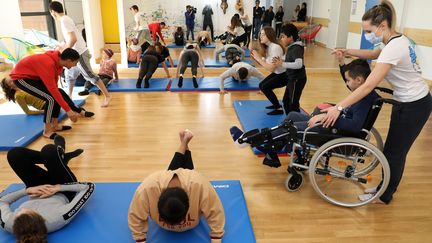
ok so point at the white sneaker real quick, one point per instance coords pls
(372, 190)
(365, 197)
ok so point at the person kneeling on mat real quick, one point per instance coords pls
(55, 195)
(240, 71)
(233, 53)
(176, 198)
(190, 53)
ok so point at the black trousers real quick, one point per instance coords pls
(248, 30)
(240, 39)
(181, 161)
(291, 98)
(205, 25)
(192, 56)
(407, 121)
(24, 163)
(38, 89)
(270, 83)
(148, 66)
(278, 29)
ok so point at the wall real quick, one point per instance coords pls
(172, 12)
(11, 15)
(110, 21)
(289, 7)
(93, 26)
(411, 21)
(320, 10)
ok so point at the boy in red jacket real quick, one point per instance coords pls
(38, 75)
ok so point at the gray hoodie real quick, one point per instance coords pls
(56, 210)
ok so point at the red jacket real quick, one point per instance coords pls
(42, 68)
(156, 28)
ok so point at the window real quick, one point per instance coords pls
(35, 15)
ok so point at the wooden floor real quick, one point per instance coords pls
(137, 135)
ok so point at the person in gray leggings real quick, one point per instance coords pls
(191, 53)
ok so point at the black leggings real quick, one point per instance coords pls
(240, 39)
(192, 56)
(148, 66)
(248, 30)
(407, 121)
(39, 90)
(291, 98)
(24, 163)
(270, 83)
(181, 161)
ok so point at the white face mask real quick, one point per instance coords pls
(373, 38)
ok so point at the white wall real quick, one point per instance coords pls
(320, 9)
(10, 19)
(410, 14)
(93, 26)
(172, 12)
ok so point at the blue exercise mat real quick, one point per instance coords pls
(253, 114)
(247, 53)
(213, 84)
(104, 218)
(173, 45)
(19, 130)
(129, 85)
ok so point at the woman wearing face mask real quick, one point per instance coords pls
(396, 62)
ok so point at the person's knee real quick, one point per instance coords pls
(47, 151)
(14, 155)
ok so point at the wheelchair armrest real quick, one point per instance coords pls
(390, 101)
(385, 90)
(305, 132)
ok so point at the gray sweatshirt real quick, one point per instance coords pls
(56, 210)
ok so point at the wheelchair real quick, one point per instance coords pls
(340, 164)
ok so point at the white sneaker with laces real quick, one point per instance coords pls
(372, 190)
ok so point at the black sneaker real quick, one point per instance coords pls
(84, 92)
(275, 112)
(272, 107)
(195, 83)
(180, 82)
(146, 84)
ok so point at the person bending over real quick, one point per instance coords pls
(190, 53)
(24, 100)
(233, 53)
(148, 66)
(55, 195)
(240, 71)
(176, 198)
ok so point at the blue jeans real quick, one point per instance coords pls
(257, 27)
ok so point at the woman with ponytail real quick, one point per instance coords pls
(397, 63)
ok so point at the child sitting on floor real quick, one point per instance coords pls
(108, 69)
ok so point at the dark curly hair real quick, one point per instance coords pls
(30, 228)
(8, 91)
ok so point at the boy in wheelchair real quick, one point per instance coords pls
(271, 140)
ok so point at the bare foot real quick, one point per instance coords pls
(106, 101)
(181, 135)
(188, 135)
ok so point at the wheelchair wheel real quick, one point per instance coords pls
(377, 141)
(293, 182)
(340, 171)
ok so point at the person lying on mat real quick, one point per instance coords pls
(233, 53)
(55, 195)
(240, 71)
(148, 66)
(24, 100)
(176, 198)
(190, 53)
(164, 51)
(38, 75)
(351, 119)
